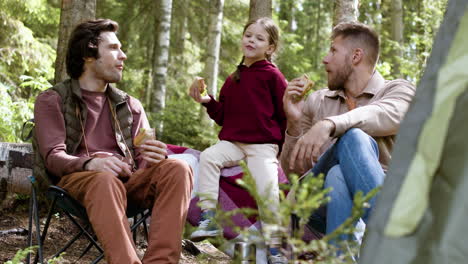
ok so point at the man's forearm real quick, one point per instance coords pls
(288, 146)
(293, 128)
(60, 164)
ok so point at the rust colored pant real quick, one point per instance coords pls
(164, 188)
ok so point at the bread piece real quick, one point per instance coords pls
(308, 85)
(143, 135)
(202, 86)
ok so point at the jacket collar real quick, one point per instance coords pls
(375, 83)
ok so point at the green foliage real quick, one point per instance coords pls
(21, 52)
(182, 126)
(22, 254)
(421, 20)
(29, 29)
(16, 112)
(26, 60)
(306, 196)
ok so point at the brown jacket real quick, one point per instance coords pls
(379, 111)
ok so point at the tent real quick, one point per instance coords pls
(421, 215)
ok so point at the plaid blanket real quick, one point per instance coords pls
(231, 195)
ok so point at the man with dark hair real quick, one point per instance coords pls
(346, 131)
(84, 134)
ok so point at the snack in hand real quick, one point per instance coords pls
(202, 86)
(308, 85)
(143, 135)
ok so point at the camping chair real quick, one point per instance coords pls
(73, 210)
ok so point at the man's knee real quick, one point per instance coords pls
(334, 178)
(179, 171)
(355, 134)
(358, 138)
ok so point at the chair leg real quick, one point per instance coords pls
(134, 233)
(90, 245)
(41, 238)
(98, 259)
(86, 233)
(38, 228)
(49, 217)
(30, 216)
(69, 243)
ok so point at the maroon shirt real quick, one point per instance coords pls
(251, 110)
(100, 136)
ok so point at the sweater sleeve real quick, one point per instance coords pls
(278, 89)
(51, 135)
(215, 108)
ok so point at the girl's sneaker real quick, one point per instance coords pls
(207, 228)
(276, 257)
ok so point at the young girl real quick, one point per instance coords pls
(250, 111)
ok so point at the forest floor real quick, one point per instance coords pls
(13, 237)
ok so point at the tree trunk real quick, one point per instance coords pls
(286, 13)
(72, 13)
(318, 38)
(161, 56)
(179, 21)
(214, 42)
(397, 35)
(260, 8)
(345, 11)
(16, 162)
(210, 72)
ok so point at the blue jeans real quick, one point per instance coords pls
(350, 165)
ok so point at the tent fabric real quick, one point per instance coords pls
(439, 232)
(452, 82)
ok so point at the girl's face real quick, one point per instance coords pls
(255, 44)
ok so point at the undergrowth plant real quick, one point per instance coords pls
(305, 196)
(21, 255)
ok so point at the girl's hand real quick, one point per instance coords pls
(194, 91)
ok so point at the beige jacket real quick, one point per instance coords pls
(379, 111)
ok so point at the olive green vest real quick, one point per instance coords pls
(72, 101)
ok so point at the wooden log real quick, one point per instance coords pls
(16, 162)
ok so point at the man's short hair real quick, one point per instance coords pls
(84, 42)
(361, 36)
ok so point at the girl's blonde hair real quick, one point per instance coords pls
(273, 37)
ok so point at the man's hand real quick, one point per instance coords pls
(194, 92)
(307, 148)
(292, 109)
(153, 151)
(110, 164)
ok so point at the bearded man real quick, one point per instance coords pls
(346, 131)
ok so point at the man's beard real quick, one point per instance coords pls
(341, 76)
